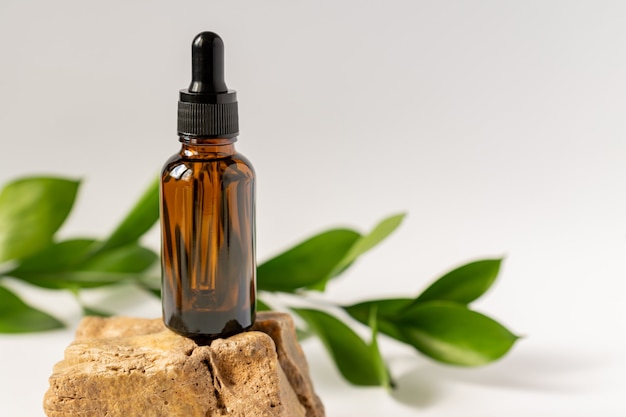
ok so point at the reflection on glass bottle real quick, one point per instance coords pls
(208, 239)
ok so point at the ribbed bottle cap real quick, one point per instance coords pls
(208, 108)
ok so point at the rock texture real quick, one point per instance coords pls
(125, 367)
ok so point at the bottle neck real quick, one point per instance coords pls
(201, 148)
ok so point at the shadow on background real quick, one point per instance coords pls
(426, 383)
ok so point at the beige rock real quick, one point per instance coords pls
(129, 367)
(281, 329)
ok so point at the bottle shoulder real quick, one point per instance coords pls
(244, 161)
(179, 166)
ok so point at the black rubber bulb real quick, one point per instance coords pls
(207, 108)
(207, 64)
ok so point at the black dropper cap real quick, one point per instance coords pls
(208, 108)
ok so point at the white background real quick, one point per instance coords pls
(497, 125)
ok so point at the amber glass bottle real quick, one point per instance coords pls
(208, 209)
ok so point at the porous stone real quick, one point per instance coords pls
(126, 367)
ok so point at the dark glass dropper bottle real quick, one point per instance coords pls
(207, 209)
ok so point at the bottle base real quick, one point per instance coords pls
(230, 328)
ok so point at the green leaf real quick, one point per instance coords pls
(79, 279)
(150, 283)
(452, 333)
(31, 211)
(18, 317)
(308, 263)
(387, 311)
(89, 311)
(261, 306)
(464, 284)
(379, 363)
(131, 258)
(57, 257)
(445, 331)
(303, 334)
(313, 262)
(354, 358)
(100, 269)
(154, 291)
(141, 218)
(380, 232)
